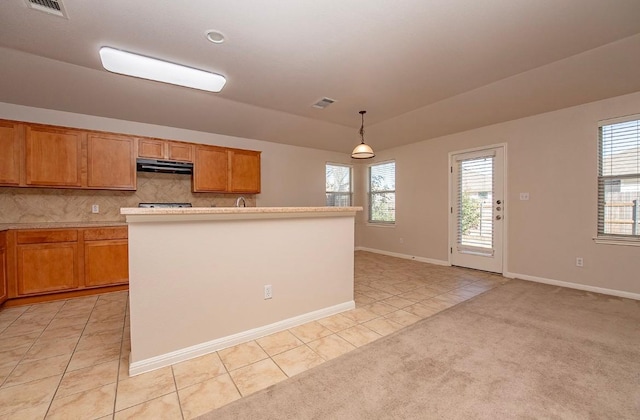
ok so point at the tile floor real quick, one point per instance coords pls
(69, 359)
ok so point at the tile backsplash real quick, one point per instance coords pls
(31, 205)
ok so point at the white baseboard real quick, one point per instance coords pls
(167, 359)
(404, 256)
(578, 286)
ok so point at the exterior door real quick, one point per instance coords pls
(477, 209)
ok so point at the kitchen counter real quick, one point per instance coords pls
(57, 225)
(197, 276)
(227, 213)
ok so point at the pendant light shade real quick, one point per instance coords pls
(362, 151)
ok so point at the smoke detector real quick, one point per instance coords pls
(323, 103)
(53, 7)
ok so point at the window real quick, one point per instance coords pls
(382, 193)
(338, 179)
(619, 179)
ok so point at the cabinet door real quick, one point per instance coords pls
(111, 162)
(151, 148)
(53, 157)
(210, 169)
(180, 151)
(106, 262)
(3, 268)
(9, 153)
(244, 171)
(47, 267)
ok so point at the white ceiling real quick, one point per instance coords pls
(421, 68)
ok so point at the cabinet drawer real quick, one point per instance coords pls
(46, 236)
(106, 233)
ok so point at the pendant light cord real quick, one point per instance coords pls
(362, 127)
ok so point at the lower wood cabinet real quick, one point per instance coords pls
(45, 261)
(4, 292)
(47, 267)
(106, 257)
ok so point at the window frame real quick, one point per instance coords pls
(350, 193)
(604, 180)
(370, 193)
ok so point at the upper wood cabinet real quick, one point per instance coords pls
(165, 149)
(180, 151)
(10, 152)
(37, 155)
(53, 156)
(244, 171)
(111, 162)
(210, 169)
(218, 169)
(151, 148)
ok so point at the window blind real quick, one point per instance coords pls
(619, 179)
(382, 193)
(338, 185)
(475, 203)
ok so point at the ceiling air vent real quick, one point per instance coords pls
(323, 103)
(53, 7)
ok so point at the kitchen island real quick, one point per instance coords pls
(197, 276)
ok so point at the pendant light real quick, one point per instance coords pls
(362, 151)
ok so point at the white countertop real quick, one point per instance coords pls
(134, 214)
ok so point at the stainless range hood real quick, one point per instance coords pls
(165, 166)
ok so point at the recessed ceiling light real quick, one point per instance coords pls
(215, 37)
(130, 64)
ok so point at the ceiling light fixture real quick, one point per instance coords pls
(215, 37)
(362, 151)
(130, 64)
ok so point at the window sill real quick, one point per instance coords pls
(603, 240)
(382, 225)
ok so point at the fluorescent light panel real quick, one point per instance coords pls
(135, 65)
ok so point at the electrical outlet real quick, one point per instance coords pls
(401, 240)
(579, 262)
(268, 291)
(95, 209)
(524, 196)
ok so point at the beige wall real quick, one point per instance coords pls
(291, 176)
(552, 157)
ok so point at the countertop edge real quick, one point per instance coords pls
(234, 210)
(193, 214)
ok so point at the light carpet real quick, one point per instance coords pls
(521, 350)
